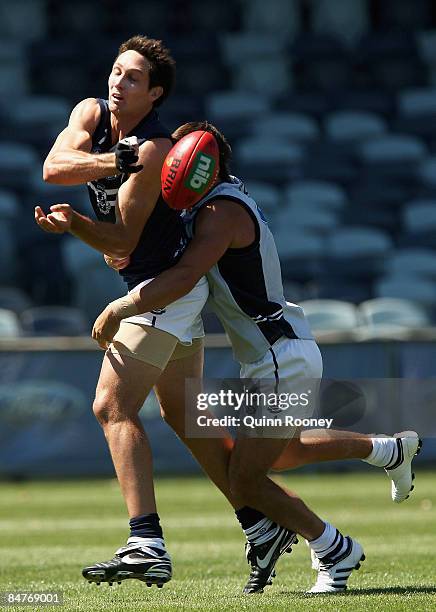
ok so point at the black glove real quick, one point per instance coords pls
(126, 156)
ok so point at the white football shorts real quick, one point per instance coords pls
(181, 318)
(286, 380)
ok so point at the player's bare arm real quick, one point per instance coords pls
(219, 226)
(70, 161)
(136, 200)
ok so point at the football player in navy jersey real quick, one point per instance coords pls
(232, 245)
(117, 147)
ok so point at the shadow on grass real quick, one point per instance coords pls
(407, 590)
(393, 590)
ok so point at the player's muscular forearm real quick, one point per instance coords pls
(108, 238)
(71, 167)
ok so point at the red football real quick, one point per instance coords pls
(190, 169)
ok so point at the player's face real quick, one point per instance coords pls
(129, 91)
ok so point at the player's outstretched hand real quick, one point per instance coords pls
(117, 264)
(105, 327)
(57, 221)
(126, 156)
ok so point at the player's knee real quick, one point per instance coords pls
(105, 409)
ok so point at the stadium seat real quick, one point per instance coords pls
(395, 156)
(330, 161)
(341, 18)
(282, 18)
(300, 253)
(353, 126)
(411, 288)
(9, 252)
(12, 68)
(358, 241)
(12, 298)
(417, 113)
(56, 65)
(18, 164)
(356, 252)
(271, 76)
(235, 105)
(321, 62)
(47, 194)
(413, 102)
(273, 160)
(390, 60)
(9, 324)
(54, 321)
(346, 288)
(417, 262)
(180, 108)
(268, 197)
(41, 109)
(78, 256)
(195, 76)
(370, 214)
(330, 315)
(95, 288)
(315, 194)
(391, 311)
(9, 205)
(298, 127)
(367, 100)
(293, 292)
(312, 103)
(315, 220)
(420, 216)
(426, 41)
(380, 192)
(240, 47)
(271, 150)
(23, 21)
(427, 171)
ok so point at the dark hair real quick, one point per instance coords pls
(162, 65)
(225, 149)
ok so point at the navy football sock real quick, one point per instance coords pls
(146, 526)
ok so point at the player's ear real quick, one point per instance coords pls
(156, 92)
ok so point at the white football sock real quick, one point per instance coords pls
(384, 452)
(330, 543)
(262, 531)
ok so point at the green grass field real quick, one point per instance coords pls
(48, 531)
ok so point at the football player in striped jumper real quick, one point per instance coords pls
(232, 244)
(117, 147)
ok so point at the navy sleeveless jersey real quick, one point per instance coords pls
(163, 240)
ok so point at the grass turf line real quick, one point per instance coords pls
(48, 531)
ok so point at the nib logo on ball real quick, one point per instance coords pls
(190, 169)
(202, 171)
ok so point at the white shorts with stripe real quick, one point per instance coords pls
(181, 318)
(290, 368)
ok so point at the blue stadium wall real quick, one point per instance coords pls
(47, 427)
